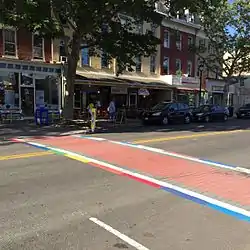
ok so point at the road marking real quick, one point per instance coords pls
(22, 156)
(182, 137)
(181, 156)
(218, 205)
(118, 234)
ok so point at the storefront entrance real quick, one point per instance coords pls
(27, 101)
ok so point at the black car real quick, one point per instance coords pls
(167, 112)
(209, 113)
(243, 111)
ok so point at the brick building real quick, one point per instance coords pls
(28, 78)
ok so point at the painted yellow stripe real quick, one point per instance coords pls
(77, 158)
(181, 137)
(27, 155)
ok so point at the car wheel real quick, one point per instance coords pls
(225, 118)
(187, 119)
(238, 116)
(165, 120)
(207, 118)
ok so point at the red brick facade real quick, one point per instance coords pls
(24, 46)
(1, 42)
(184, 55)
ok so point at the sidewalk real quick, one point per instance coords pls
(24, 128)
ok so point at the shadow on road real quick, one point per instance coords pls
(8, 131)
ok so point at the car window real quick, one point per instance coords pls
(174, 106)
(161, 106)
(181, 106)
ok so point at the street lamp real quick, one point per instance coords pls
(200, 68)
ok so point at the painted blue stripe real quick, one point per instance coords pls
(215, 162)
(205, 203)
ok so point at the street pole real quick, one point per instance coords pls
(200, 89)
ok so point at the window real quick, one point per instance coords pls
(190, 41)
(85, 57)
(139, 28)
(166, 39)
(202, 44)
(62, 50)
(37, 47)
(153, 28)
(178, 65)
(166, 65)
(9, 38)
(189, 68)
(152, 64)
(174, 106)
(104, 60)
(178, 41)
(138, 64)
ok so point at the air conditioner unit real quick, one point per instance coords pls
(63, 59)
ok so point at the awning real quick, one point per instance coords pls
(189, 89)
(94, 78)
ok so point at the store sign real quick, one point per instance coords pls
(119, 90)
(217, 88)
(189, 80)
(143, 92)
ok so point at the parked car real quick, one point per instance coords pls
(167, 112)
(243, 111)
(210, 113)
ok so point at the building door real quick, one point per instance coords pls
(133, 100)
(27, 101)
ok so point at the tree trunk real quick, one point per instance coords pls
(73, 57)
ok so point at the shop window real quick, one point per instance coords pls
(166, 66)
(166, 39)
(178, 66)
(138, 64)
(9, 90)
(189, 68)
(85, 57)
(38, 47)
(178, 41)
(104, 60)
(47, 90)
(9, 42)
(152, 64)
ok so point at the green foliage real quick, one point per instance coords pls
(227, 28)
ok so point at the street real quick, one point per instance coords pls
(180, 187)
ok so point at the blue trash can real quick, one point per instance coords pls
(42, 116)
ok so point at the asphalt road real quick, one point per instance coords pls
(47, 200)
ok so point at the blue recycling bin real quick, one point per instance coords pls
(42, 116)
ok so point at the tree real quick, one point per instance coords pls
(227, 29)
(96, 25)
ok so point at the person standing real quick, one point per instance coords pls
(92, 112)
(112, 110)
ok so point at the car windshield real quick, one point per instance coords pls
(161, 106)
(204, 108)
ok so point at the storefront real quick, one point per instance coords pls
(215, 89)
(27, 86)
(129, 94)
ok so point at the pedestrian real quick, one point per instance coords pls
(112, 110)
(92, 112)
